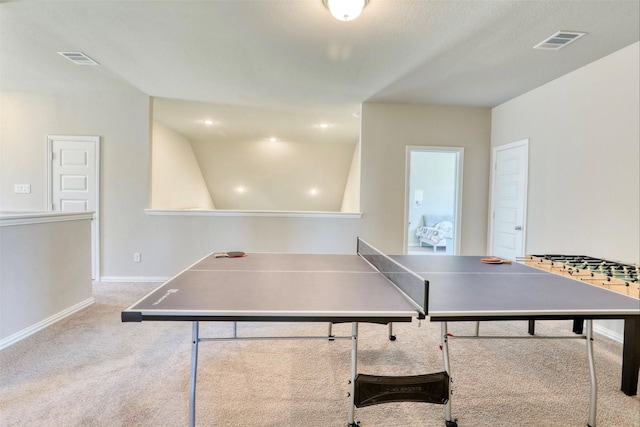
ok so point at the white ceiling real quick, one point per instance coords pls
(280, 67)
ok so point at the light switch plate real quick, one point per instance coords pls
(22, 188)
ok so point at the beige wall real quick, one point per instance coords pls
(584, 179)
(169, 243)
(23, 151)
(39, 282)
(583, 187)
(176, 179)
(387, 129)
(121, 120)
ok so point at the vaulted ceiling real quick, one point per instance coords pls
(281, 67)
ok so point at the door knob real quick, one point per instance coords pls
(518, 227)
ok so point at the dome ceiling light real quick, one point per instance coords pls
(345, 10)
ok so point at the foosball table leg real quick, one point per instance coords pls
(631, 355)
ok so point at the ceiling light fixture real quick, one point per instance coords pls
(209, 122)
(345, 10)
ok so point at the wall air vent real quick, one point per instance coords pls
(559, 40)
(78, 58)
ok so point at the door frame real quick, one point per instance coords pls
(494, 156)
(459, 189)
(95, 228)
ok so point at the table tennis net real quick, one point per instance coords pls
(412, 285)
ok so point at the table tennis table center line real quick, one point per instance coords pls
(289, 271)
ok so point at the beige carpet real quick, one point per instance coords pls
(92, 370)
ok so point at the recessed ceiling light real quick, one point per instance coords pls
(273, 139)
(313, 191)
(241, 189)
(209, 122)
(323, 125)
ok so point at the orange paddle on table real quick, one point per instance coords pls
(495, 261)
(230, 254)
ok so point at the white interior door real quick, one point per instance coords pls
(74, 181)
(509, 200)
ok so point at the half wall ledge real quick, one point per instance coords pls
(265, 213)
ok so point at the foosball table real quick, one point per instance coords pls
(615, 276)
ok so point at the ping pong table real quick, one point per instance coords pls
(462, 288)
(375, 288)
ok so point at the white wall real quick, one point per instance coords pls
(387, 129)
(351, 197)
(176, 179)
(275, 175)
(584, 179)
(584, 171)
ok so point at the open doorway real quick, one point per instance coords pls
(433, 199)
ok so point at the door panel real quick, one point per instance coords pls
(73, 173)
(509, 200)
(74, 181)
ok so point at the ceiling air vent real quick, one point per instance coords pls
(559, 40)
(78, 58)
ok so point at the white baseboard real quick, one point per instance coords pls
(132, 279)
(616, 336)
(20, 335)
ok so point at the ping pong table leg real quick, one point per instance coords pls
(354, 370)
(194, 367)
(449, 421)
(593, 391)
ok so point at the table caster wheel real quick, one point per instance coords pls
(453, 423)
